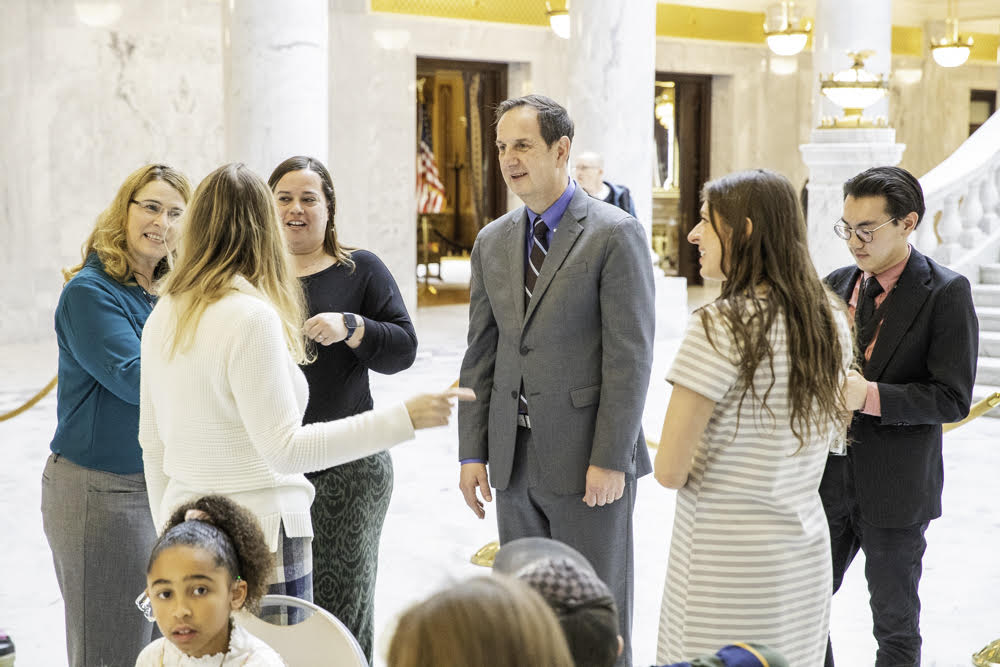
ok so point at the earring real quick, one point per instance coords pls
(145, 606)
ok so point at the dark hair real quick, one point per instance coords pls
(775, 254)
(902, 191)
(592, 633)
(553, 119)
(231, 534)
(305, 163)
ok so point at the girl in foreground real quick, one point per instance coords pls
(210, 562)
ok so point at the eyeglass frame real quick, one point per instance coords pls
(842, 224)
(155, 209)
(145, 605)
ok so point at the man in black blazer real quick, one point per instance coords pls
(918, 340)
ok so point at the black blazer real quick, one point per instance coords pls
(924, 362)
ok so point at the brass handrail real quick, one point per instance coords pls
(31, 401)
(977, 410)
(989, 656)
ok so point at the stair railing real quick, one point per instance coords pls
(961, 227)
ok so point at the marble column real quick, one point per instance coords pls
(835, 155)
(612, 59)
(276, 80)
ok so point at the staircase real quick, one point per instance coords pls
(986, 296)
(963, 204)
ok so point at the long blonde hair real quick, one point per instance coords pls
(231, 230)
(109, 238)
(488, 620)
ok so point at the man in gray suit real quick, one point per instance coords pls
(560, 345)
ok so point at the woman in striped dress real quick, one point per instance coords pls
(756, 404)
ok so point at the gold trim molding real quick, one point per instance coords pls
(672, 20)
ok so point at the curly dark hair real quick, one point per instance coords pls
(231, 533)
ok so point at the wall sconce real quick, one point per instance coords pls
(854, 90)
(952, 50)
(787, 32)
(558, 18)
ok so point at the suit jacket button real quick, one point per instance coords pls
(525, 350)
(513, 394)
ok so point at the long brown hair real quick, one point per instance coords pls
(489, 620)
(331, 244)
(231, 230)
(109, 239)
(769, 272)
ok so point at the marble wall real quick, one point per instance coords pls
(84, 106)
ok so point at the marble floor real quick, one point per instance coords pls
(430, 533)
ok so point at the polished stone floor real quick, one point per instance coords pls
(430, 534)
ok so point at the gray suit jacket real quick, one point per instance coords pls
(583, 346)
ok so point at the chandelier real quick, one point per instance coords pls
(787, 32)
(558, 18)
(853, 90)
(951, 50)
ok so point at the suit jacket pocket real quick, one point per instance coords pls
(572, 269)
(585, 396)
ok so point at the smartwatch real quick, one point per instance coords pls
(352, 323)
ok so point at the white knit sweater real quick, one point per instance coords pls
(225, 416)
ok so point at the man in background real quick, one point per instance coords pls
(589, 172)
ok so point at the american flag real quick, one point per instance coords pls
(430, 191)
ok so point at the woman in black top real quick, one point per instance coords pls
(359, 322)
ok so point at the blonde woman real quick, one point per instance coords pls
(222, 396)
(94, 506)
(493, 620)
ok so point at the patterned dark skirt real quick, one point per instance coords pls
(347, 514)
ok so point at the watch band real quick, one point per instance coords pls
(352, 324)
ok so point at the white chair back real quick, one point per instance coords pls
(321, 639)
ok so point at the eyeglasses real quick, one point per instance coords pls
(154, 209)
(843, 230)
(145, 606)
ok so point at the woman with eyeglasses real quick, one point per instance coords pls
(95, 509)
(756, 405)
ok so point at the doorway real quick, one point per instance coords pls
(460, 187)
(682, 114)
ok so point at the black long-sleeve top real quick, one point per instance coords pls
(338, 379)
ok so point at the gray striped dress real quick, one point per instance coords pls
(750, 550)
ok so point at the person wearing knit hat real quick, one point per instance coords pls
(569, 585)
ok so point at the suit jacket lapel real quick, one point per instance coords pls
(562, 241)
(905, 301)
(847, 287)
(516, 234)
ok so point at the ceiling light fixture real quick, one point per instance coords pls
(559, 19)
(952, 50)
(787, 32)
(853, 90)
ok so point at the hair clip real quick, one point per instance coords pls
(145, 606)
